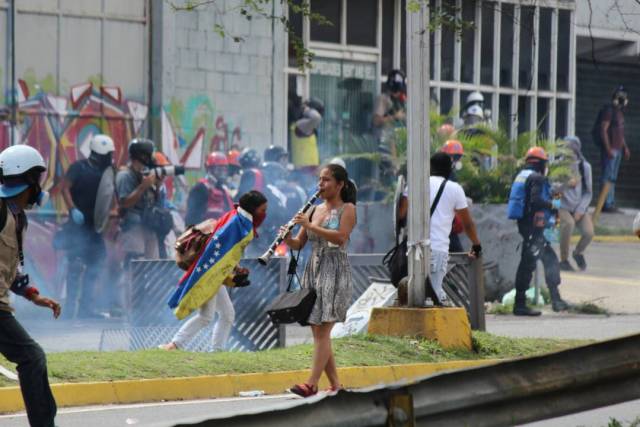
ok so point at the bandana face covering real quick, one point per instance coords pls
(258, 219)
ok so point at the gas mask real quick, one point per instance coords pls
(101, 161)
(620, 99)
(39, 198)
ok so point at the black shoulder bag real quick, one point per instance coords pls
(296, 306)
(396, 259)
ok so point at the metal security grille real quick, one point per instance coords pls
(152, 322)
(364, 267)
(464, 285)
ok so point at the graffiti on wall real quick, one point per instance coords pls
(191, 129)
(61, 127)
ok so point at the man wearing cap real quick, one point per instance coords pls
(613, 144)
(454, 149)
(532, 192)
(21, 168)
(137, 195)
(576, 198)
(85, 248)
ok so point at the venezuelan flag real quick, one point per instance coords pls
(223, 252)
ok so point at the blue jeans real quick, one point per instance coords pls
(610, 169)
(18, 347)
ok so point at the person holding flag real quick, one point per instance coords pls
(201, 288)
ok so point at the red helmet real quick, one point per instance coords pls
(453, 147)
(217, 158)
(536, 153)
(161, 159)
(232, 158)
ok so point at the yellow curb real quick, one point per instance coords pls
(610, 239)
(207, 387)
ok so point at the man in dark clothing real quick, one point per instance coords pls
(210, 198)
(537, 210)
(21, 168)
(613, 145)
(86, 250)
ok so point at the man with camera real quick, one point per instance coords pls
(137, 196)
(85, 247)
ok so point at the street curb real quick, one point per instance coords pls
(207, 387)
(609, 239)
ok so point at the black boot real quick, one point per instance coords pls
(557, 303)
(520, 307)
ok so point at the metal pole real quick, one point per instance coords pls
(14, 98)
(418, 151)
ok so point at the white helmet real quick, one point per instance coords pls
(102, 144)
(15, 162)
(474, 97)
(338, 161)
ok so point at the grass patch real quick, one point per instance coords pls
(360, 350)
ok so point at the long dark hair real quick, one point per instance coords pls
(348, 194)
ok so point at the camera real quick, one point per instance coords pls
(163, 171)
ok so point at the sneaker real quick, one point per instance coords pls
(579, 259)
(525, 311)
(566, 266)
(559, 305)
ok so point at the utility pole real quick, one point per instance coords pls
(418, 151)
(14, 95)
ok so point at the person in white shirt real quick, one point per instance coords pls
(452, 201)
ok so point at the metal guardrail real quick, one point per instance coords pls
(504, 394)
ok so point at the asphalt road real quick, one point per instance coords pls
(167, 413)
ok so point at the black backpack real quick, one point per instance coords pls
(396, 259)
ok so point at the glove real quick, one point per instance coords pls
(77, 216)
(476, 250)
(556, 203)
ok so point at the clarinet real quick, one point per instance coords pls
(287, 229)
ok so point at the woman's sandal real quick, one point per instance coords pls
(304, 390)
(333, 389)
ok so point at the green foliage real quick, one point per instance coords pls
(487, 184)
(358, 350)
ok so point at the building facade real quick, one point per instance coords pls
(141, 67)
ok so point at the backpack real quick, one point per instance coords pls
(192, 242)
(596, 135)
(518, 195)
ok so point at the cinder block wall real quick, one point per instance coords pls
(227, 87)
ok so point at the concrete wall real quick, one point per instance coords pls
(609, 18)
(213, 84)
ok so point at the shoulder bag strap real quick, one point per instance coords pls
(437, 199)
